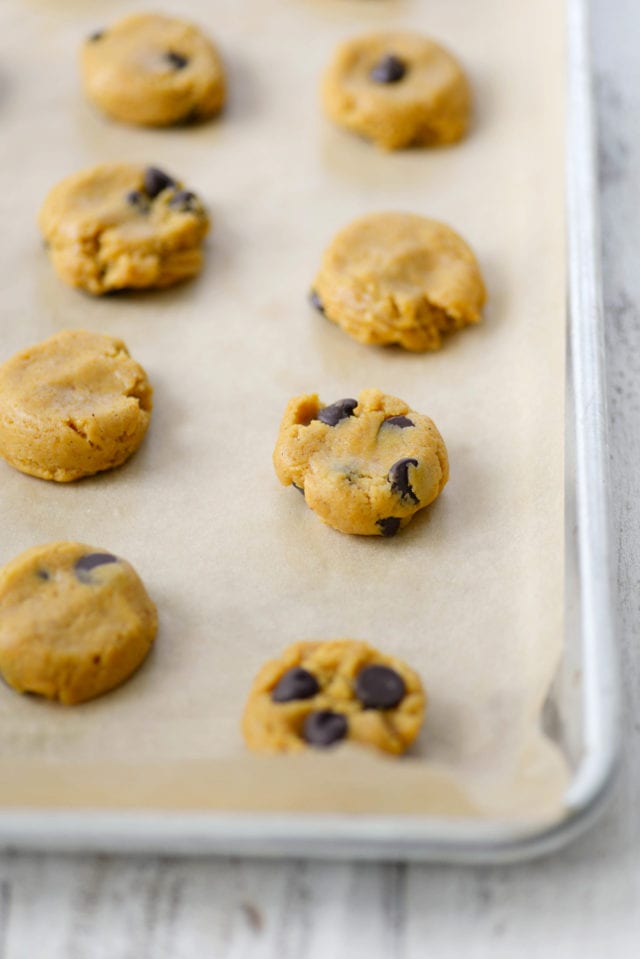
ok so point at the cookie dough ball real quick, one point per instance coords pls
(397, 89)
(320, 693)
(121, 226)
(364, 466)
(153, 70)
(75, 621)
(399, 278)
(71, 406)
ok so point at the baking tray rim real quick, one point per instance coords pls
(441, 839)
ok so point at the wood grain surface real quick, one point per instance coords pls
(584, 901)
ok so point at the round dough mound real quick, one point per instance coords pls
(270, 726)
(399, 278)
(74, 621)
(371, 471)
(425, 102)
(105, 232)
(153, 70)
(71, 406)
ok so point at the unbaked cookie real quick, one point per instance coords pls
(364, 466)
(121, 226)
(153, 70)
(399, 278)
(397, 89)
(71, 406)
(319, 693)
(74, 621)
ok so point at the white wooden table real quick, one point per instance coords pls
(582, 902)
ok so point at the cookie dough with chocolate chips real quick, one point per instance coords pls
(399, 278)
(397, 89)
(153, 70)
(120, 226)
(321, 693)
(75, 621)
(71, 406)
(365, 466)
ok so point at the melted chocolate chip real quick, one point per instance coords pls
(296, 683)
(184, 200)
(378, 687)
(399, 478)
(323, 728)
(389, 526)
(401, 421)
(389, 69)
(316, 302)
(155, 181)
(340, 410)
(89, 562)
(177, 60)
(95, 36)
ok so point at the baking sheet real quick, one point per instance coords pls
(471, 594)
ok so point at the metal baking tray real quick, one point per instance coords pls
(582, 710)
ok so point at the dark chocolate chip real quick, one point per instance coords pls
(389, 69)
(401, 421)
(42, 574)
(389, 525)
(299, 488)
(340, 410)
(137, 198)
(399, 478)
(378, 687)
(297, 683)
(95, 36)
(88, 562)
(177, 60)
(323, 728)
(316, 302)
(184, 200)
(155, 181)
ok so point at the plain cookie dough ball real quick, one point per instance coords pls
(397, 89)
(399, 278)
(153, 70)
(365, 466)
(121, 226)
(321, 693)
(71, 406)
(74, 622)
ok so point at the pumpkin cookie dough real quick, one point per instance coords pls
(399, 278)
(120, 226)
(74, 622)
(364, 466)
(319, 693)
(397, 89)
(73, 405)
(153, 70)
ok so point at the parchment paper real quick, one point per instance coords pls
(471, 594)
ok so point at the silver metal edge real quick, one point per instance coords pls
(445, 840)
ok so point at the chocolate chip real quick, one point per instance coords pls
(378, 687)
(340, 410)
(323, 728)
(399, 478)
(177, 60)
(389, 526)
(42, 574)
(184, 200)
(155, 181)
(316, 302)
(401, 421)
(137, 198)
(297, 683)
(388, 70)
(88, 562)
(94, 37)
